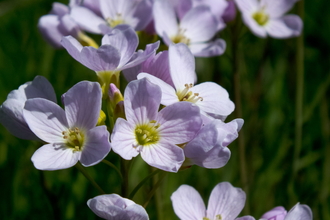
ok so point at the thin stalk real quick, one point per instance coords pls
(153, 191)
(84, 172)
(125, 166)
(114, 167)
(238, 108)
(136, 189)
(299, 93)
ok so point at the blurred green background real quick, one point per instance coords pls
(268, 86)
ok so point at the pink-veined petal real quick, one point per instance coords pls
(83, 104)
(97, 146)
(54, 157)
(46, 119)
(168, 93)
(215, 98)
(182, 65)
(179, 122)
(141, 99)
(210, 49)
(165, 18)
(225, 200)
(247, 6)
(163, 155)
(123, 139)
(276, 9)
(285, 27)
(188, 204)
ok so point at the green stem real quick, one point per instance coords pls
(114, 167)
(132, 194)
(84, 172)
(125, 166)
(153, 191)
(299, 93)
(238, 109)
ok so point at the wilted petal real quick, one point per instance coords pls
(86, 19)
(46, 119)
(182, 65)
(188, 204)
(54, 157)
(123, 139)
(97, 146)
(199, 24)
(301, 212)
(179, 122)
(215, 99)
(163, 155)
(83, 104)
(141, 100)
(225, 200)
(165, 18)
(168, 93)
(210, 49)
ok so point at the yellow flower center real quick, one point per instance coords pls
(113, 22)
(260, 17)
(218, 217)
(180, 38)
(147, 133)
(74, 138)
(189, 96)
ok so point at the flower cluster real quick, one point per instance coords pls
(163, 114)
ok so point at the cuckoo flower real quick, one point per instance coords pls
(71, 133)
(134, 13)
(154, 134)
(116, 53)
(301, 212)
(208, 96)
(266, 17)
(114, 207)
(196, 28)
(209, 148)
(11, 111)
(225, 202)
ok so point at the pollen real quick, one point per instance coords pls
(187, 95)
(147, 133)
(74, 139)
(260, 17)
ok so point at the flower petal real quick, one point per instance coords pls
(143, 12)
(277, 8)
(182, 65)
(163, 155)
(213, 48)
(285, 27)
(301, 212)
(73, 47)
(247, 6)
(179, 122)
(206, 149)
(83, 104)
(97, 146)
(123, 139)
(54, 157)
(165, 18)
(46, 119)
(188, 204)
(215, 99)
(141, 100)
(168, 93)
(246, 218)
(256, 29)
(199, 24)
(125, 40)
(86, 19)
(48, 26)
(225, 200)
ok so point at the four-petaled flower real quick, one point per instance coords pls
(71, 134)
